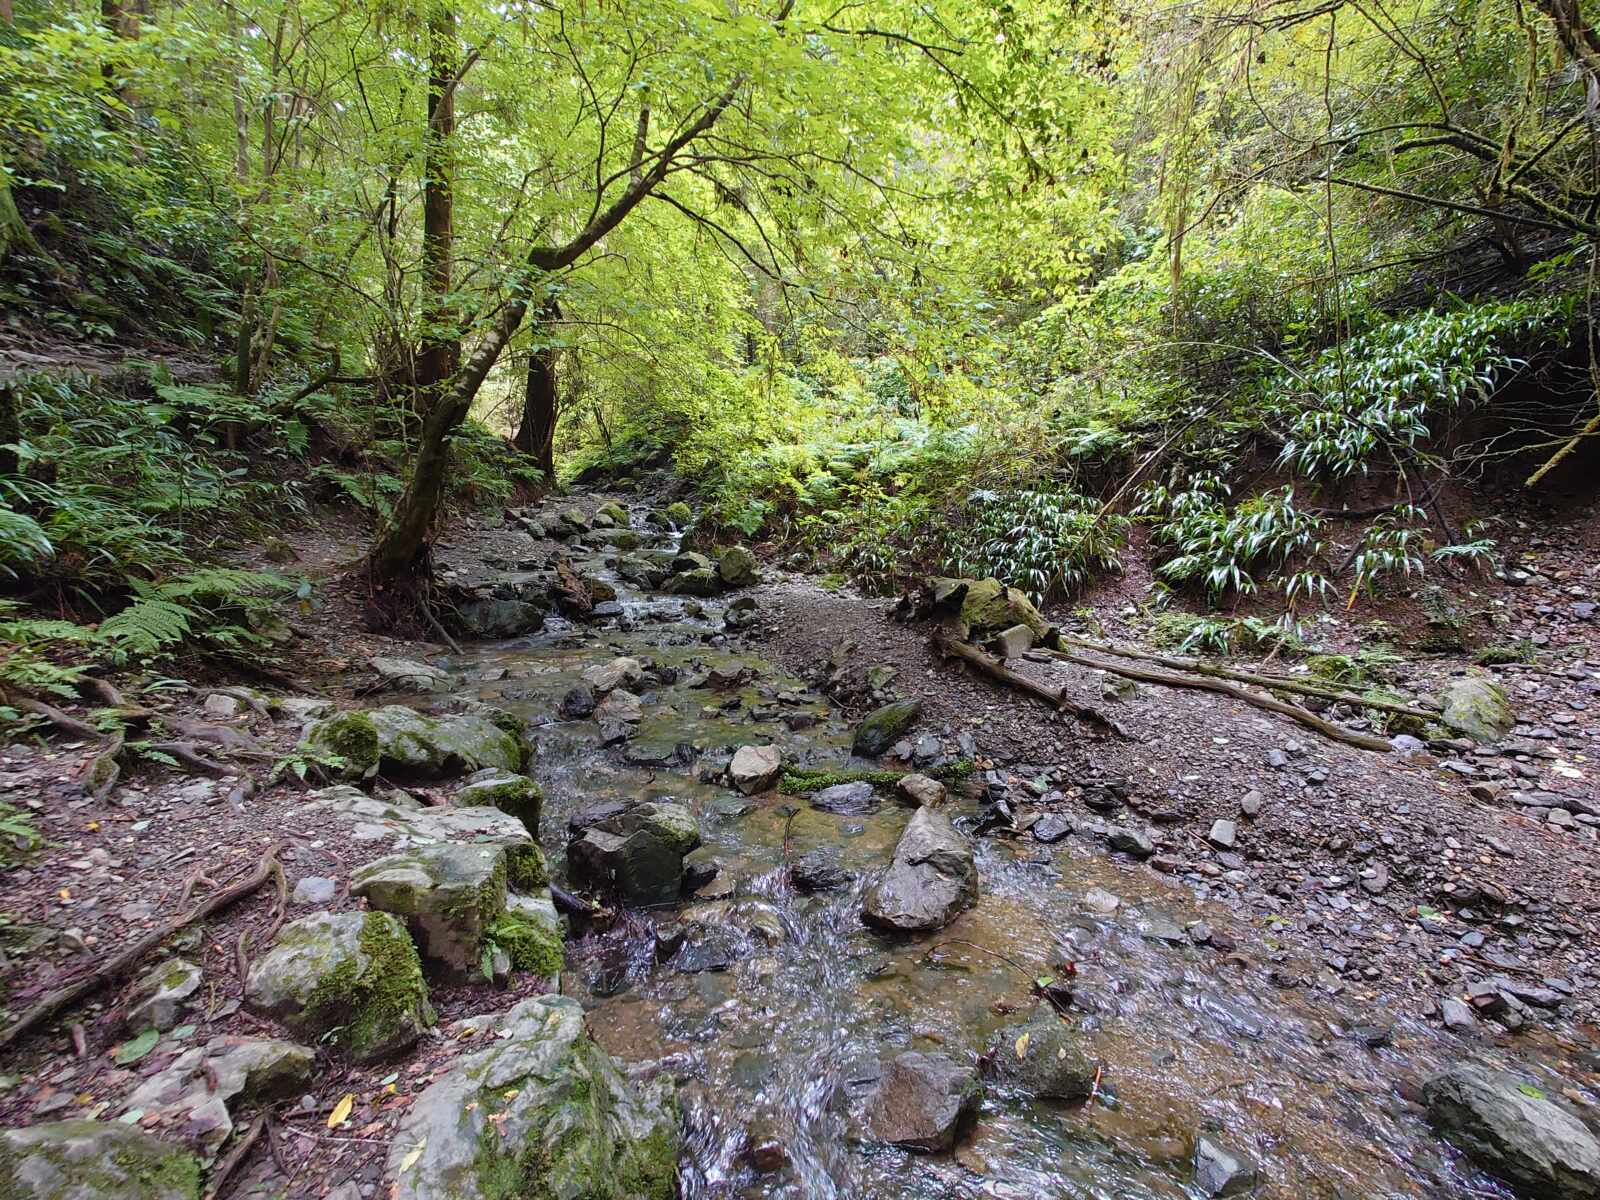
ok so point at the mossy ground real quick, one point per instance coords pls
(800, 781)
(532, 945)
(377, 997)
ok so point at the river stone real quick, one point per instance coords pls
(1043, 1058)
(1477, 707)
(353, 975)
(819, 870)
(404, 824)
(699, 582)
(931, 880)
(514, 794)
(398, 738)
(848, 799)
(448, 895)
(641, 572)
(539, 1111)
(578, 703)
(615, 511)
(1539, 1146)
(619, 672)
(575, 519)
(988, 606)
(1219, 1171)
(882, 727)
(487, 617)
(737, 567)
(688, 560)
(755, 768)
(408, 673)
(198, 1091)
(923, 1102)
(920, 790)
(94, 1160)
(633, 849)
(161, 994)
(620, 707)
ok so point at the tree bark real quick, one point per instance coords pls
(536, 435)
(439, 355)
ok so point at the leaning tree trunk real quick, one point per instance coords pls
(440, 352)
(536, 436)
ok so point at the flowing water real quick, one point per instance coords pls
(782, 1046)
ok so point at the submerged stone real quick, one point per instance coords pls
(923, 1102)
(1043, 1058)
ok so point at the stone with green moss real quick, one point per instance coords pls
(884, 726)
(737, 567)
(448, 894)
(700, 581)
(679, 514)
(540, 1113)
(94, 1160)
(157, 999)
(199, 1090)
(532, 943)
(616, 512)
(510, 793)
(989, 606)
(400, 739)
(1478, 707)
(400, 825)
(352, 977)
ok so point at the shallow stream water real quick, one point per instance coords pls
(781, 1047)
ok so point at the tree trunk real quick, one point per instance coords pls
(439, 355)
(536, 436)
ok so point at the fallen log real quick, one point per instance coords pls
(990, 666)
(1202, 683)
(119, 963)
(1281, 683)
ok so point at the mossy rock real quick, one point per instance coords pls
(616, 512)
(533, 945)
(397, 738)
(1043, 1058)
(540, 1112)
(1478, 707)
(94, 1160)
(884, 726)
(354, 978)
(989, 606)
(702, 581)
(737, 567)
(510, 793)
(679, 513)
(449, 895)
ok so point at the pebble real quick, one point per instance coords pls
(1250, 805)
(315, 889)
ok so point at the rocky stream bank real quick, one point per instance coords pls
(686, 876)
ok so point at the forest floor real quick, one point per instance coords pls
(1404, 875)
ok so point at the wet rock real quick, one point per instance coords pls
(848, 799)
(161, 994)
(663, 751)
(1130, 841)
(819, 870)
(620, 708)
(1511, 1129)
(486, 617)
(617, 514)
(540, 1108)
(882, 727)
(578, 703)
(641, 572)
(353, 976)
(1041, 1057)
(1051, 828)
(920, 791)
(755, 768)
(930, 882)
(1219, 1171)
(94, 1160)
(923, 1102)
(401, 739)
(737, 567)
(447, 894)
(635, 850)
(515, 794)
(700, 582)
(199, 1090)
(618, 673)
(1478, 707)
(411, 675)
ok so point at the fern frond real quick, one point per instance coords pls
(147, 625)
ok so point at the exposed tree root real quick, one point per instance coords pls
(118, 964)
(237, 1153)
(986, 664)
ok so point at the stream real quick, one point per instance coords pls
(779, 1005)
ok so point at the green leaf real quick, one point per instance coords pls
(135, 1048)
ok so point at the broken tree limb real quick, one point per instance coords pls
(1203, 683)
(986, 664)
(118, 964)
(240, 1150)
(1281, 683)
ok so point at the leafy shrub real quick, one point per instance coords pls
(1048, 543)
(1227, 549)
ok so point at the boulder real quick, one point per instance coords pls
(920, 791)
(94, 1160)
(397, 738)
(575, 520)
(641, 572)
(755, 768)
(635, 850)
(401, 823)
(408, 674)
(923, 1102)
(539, 1111)
(199, 1090)
(448, 894)
(353, 977)
(930, 882)
(819, 870)
(883, 727)
(514, 794)
(1042, 1057)
(987, 606)
(679, 513)
(1511, 1129)
(702, 581)
(618, 514)
(578, 703)
(737, 567)
(619, 672)
(486, 617)
(160, 995)
(846, 799)
(1477, 707)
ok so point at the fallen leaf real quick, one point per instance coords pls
(410, 1160)
(135, 1048)
(1022, 1046)
(341, 1110)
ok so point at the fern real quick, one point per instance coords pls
(147, 626)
